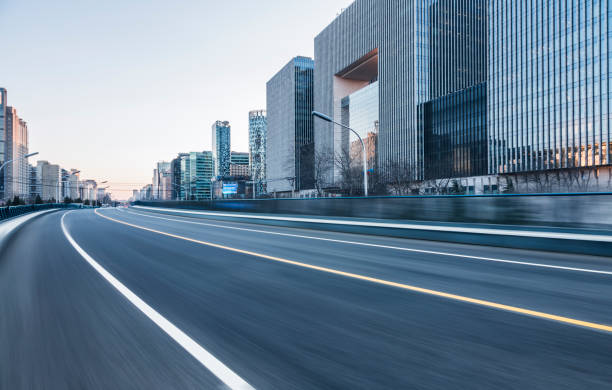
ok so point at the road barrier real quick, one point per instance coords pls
(14, 211)
(582, 211)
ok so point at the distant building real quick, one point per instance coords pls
(196, 175)
(221, 145)
(290, 134)
(162, 178)
(239, 164)
(258, 128)
(16, 147)
(49, 180)
(175, 182)
(3, 114)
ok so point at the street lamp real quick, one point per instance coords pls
(365, 160)
(17, 159)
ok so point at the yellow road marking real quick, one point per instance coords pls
(460, 298)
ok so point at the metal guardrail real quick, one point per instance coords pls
(14, 211)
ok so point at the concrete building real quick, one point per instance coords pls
(258, 129)
(221, 144)
(175, 182)
(162, 179)
(50, 185)
(290, 135)
(16, 147)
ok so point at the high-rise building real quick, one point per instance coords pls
(175, 168)
(239, 165)
(196, 175)
(221, 145)
(468, 88)
(49, 180)
(290, 135)
(162, 179)
(258, 128)
(15, 148)
(548, 93)
(3, 114)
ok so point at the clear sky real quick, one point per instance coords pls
(110, 87)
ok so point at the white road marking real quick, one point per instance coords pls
(492, 259)
(407, 226)
(221, 371)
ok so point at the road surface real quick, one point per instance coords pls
(123, 298)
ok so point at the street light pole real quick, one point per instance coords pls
(17, 159)
(363, 149)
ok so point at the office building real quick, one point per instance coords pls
(175, 168)
(50, 181)
(549, 70)
(258, 128)
(197, 170)
(290, 133)
(221, 145)
(162, 179)
(16, 147)
(239, 164)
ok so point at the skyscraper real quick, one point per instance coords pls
(221, 144)
(240, 164)
(258, 128)
(196, 175)
(16, 147)
(290, 135)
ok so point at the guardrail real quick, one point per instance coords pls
(585, 210)
(14, 211)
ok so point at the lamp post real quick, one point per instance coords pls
(17, 159)
(363, 149)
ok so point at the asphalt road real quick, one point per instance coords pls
(285, 308)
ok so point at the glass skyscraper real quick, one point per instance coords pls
(550, 65)
(221, 145)
(196, 175)
(258, 129)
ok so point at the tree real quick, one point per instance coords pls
(38, 200)
(67, 200)
(324, 165)
(86, 202)
(400, 177)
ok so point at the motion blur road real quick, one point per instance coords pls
(128, 299)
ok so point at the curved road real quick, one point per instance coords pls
(123, 298)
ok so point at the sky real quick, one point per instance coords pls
(111, 87)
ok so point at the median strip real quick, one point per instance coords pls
(454, 297)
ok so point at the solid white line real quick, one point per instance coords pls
(492, 259)
(215, 366)
(501, 232)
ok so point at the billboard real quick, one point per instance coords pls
(229, 188)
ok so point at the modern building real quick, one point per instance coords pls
(239, 164)
(472, 90)
(290, 135)
(50, 182)
(197, 170)
(15, 148)
(258, 129)
(3, 114)
(175, 168)
(221, 145)
(162, 179)
(548, 90)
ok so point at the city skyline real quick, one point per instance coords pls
(102, 85)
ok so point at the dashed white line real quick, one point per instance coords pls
(491, 259)
(215, 366)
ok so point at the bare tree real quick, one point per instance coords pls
(324, 164)
(400, 177)
(350, 172)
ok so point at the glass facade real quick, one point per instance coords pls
(549, 84)
(196, 175)
(304, 122)
(258, 129)
(455, 134)
(359, 111)
(221, 144)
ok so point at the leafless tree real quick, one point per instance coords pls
(324, 164)
(400, 177)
